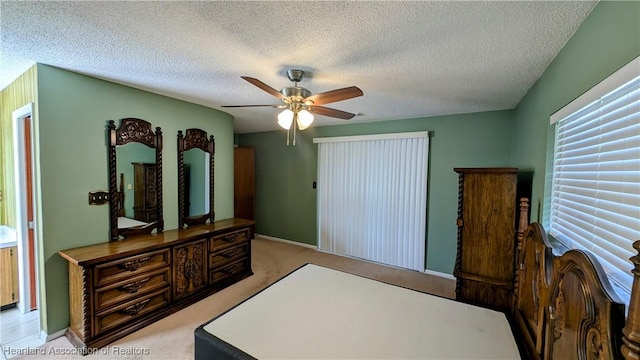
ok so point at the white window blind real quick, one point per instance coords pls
(595, 200)
(372, 197)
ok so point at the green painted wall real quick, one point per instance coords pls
(72, 156)
(607, 40)
(286, 201)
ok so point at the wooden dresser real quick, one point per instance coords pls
(484, 268)
(116, 288)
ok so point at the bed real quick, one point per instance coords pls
(127, 225)
(563, 308)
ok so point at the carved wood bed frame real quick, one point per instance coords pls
(564, 306)
(120, 210)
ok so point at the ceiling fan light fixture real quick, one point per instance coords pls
(285, 119)
(305, 119)
(298, 101)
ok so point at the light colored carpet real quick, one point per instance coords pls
(172, 337)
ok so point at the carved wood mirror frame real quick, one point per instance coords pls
(195, 139)
(133, 130)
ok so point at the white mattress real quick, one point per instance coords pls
(319, 313)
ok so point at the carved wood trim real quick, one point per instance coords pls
(181, 199)
(134, 309)
(212, 182)
(196, 138)
(459, 223)
(232, 252)
(135, 130)
(86, 303)
(181, 279)
(133, 287)
(557, 313)
(113, 181)
(582, 300)
(594, 343)
(159, 202)
(135, 264)
(522, 227)
(631, 333)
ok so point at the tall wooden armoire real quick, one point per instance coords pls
(144, 194)
(486, 223)
(244, 184)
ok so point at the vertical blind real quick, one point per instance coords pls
(372, 197)
(595, 200)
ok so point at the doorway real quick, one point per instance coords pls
(26, 224)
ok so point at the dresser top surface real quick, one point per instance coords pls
(107, 251)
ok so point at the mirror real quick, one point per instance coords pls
(196, 155)
(135, 178)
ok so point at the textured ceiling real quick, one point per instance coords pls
(411, 59)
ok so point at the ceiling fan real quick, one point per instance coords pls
(299, 103)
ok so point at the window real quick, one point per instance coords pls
(595, 195)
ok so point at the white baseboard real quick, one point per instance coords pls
(440, 274)
(48, 337)
(287, 241)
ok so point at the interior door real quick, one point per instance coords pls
(244, 189)
(28, 186)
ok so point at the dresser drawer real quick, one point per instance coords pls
(220, 274)
(116, 316)
(123, 269)
(228, 239)
(225, 256)
(121, 292)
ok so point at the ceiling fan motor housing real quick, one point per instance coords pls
(295, 93)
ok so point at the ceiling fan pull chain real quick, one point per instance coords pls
(295, 125)
(288, 131)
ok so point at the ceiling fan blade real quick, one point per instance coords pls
(264, 87)
(321, 110)
(237, 106)
(334, 95)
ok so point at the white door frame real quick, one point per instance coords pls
(21, 210)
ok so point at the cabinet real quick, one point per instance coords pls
(144, 194)
(244, 182)
(9, 270)
(486, 223)
(190, 273)
(116, 288)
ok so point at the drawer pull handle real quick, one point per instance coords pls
(231, 269)
(135, 308)
(231, 253)
(230, 238)
(133, 287)
(134, 265)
